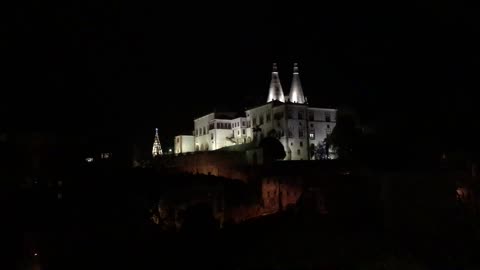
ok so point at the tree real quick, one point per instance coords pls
(272, 149)
(346, 138)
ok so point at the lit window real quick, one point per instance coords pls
(311, 135)
(89, 159)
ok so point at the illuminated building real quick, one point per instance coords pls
(299, 127)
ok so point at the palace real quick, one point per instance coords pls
(298, 126)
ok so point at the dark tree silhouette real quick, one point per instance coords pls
(272, 149)
(346, 138)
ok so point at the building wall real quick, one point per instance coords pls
(321, 123)
(296, 126)
(239, 127)
(201, 133)
(220, 138)
(184, 144)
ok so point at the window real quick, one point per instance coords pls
(301, 144)
(298, 152)
(238, 133)
(196, 132)
(178, 139)
(268, 117)
(327, 116)
(261, 119)
(310, 116)
(278, 116)
(311, 125)
(311, 135)
(300, 115)
(211, 136)
(243, 123)
(300, 133)
(229, 126)
(289, 113)
(204, 131)
(243, 131)
(211, 126)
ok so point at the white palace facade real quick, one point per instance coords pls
(290, 119)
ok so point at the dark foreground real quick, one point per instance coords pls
(106, 225)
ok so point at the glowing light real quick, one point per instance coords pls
(89, 159)
(35, 254)
(157, 147)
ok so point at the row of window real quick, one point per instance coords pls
(243, 132)
(201, 131)
(279, 116)
(237, 124)
(218, 125)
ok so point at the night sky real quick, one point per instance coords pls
(128, 66)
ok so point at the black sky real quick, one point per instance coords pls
(131, 66)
